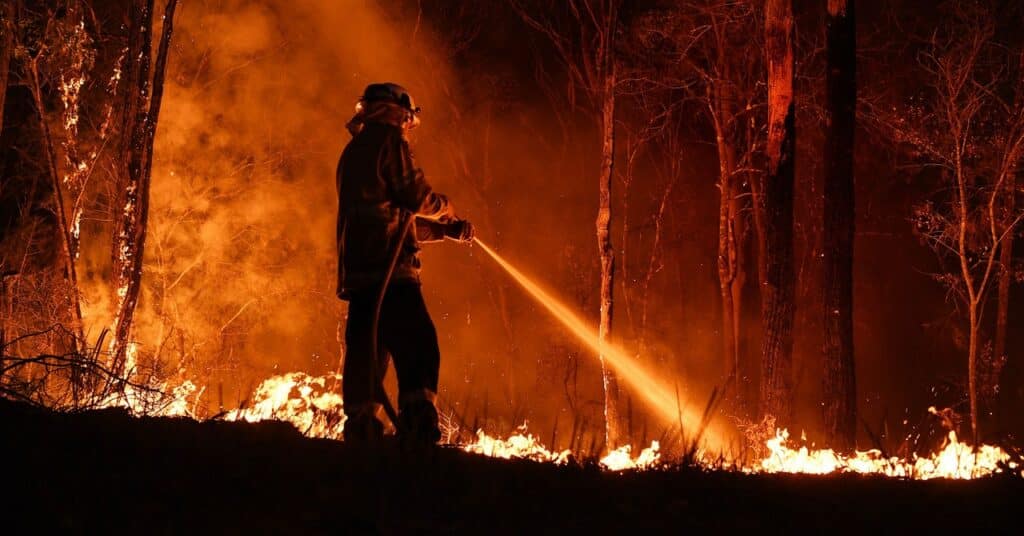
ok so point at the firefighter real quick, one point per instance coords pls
(386, 209)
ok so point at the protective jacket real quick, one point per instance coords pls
(378, 186)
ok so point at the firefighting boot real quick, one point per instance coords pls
(363, 424)
(417, 420)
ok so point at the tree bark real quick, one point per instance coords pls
(63, 229)
(777, 292)
(1005, 273)
(6, 52)
(142, 108)
(720, 102)
(604, 237)
(839, 389)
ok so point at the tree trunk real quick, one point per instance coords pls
(142, 109)
(1005, 273)
(729, 261)
(63, 229)
(972, 369)
(726, 262)
(604, 242)
(3, 316)
(777, 292)
(6, 52)
(839, 390)
(730, 249)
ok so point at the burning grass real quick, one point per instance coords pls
(312, 405)
(109, 472)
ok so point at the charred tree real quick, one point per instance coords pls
(777, 289)
(839, 389)
(143, 96)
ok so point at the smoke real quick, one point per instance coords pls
(240, 260)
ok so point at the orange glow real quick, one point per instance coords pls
(954, 460)
(522, 444)
(660, 398)
(312, 405)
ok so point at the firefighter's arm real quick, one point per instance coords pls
(435, 231)
(409, 188)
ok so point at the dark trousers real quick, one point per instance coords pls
(406, 334)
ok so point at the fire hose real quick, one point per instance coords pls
(377, 380)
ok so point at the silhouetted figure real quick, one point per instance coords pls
(386, 210)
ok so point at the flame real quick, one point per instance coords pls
(522, 444)
(157, 399)
(620, 459)
(656, 394)
(312, 405)
(955, 460)
(304, 401)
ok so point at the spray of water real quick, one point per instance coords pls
(663, 400)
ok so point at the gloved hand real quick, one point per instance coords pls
(460, 230)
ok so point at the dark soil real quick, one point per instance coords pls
(105, 471)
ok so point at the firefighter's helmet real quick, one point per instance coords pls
(390, 92)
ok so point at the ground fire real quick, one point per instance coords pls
(393, 266)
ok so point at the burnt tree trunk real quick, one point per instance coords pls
(604, 235)
(839, 389)
(777, 291)
(143, 95)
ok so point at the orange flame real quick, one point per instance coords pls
(954, 460)
(310, 404)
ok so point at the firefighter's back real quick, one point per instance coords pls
(367, 218)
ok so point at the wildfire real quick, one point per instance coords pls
(620, 459)
(312, 404)
(522, 444)
(954, 460)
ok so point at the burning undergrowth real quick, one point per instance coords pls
(313, 406)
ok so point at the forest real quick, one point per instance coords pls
(742, 221)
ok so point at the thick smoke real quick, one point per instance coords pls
(240, 265)
(240, 260)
